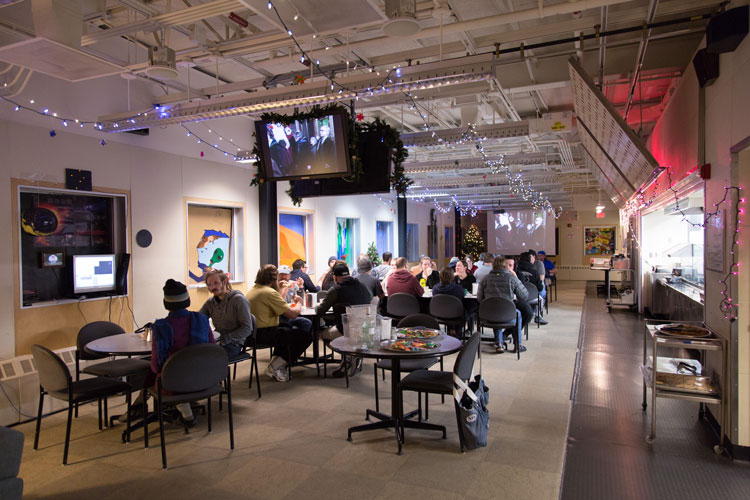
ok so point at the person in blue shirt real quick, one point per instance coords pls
(549, 266)
(299, 270)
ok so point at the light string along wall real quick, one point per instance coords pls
(518, 185)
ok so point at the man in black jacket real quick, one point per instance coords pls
(299, 270)
(526, 266)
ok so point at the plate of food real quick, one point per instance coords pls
(417, 332)
(409, 345)
(683, 330)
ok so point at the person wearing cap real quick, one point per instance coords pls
(383, 269)
(267, 305)
(299, 270)
(287, 287)
(326, 280)
(179, 329)
(346, 290)
(229, 312)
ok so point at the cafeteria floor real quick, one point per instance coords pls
(292, 442)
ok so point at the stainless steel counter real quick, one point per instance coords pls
(677, 301)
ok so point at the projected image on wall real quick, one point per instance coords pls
(516, 231)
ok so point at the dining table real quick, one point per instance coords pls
(396, 419)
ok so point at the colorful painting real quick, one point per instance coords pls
(599, 240)
(347, 240)
(210, 231)
(292, 242)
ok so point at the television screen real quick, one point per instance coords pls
(515, 231)
(93, 273)
(315, 147)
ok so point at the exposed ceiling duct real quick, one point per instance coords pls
(402, 18)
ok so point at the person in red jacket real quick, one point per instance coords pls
(402, 281)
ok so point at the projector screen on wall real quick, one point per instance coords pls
(515, 231)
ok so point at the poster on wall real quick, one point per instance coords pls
(346, 240)
(292, 241)
(209, 238)
(715, 242)
(599, 240)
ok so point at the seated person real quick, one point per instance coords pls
(463, 276)
(326, 280)
(526, 265)
(402, 281)
(549, 266)
(267, 305)
(229, 312)
(350, 291)
(501, 282)
(299, 270)
(289, 290)
(366, 277)
(383, 268)
(179, 329)
(447, 285)
(427, 273)
(470, 267)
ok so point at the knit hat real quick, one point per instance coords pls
(175, 296)
(453, 262)
(285, 269)
(340, 269)
(332, 257)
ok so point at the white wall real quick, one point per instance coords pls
(158, 183)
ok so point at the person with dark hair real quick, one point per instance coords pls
(383, 268)
(470, 267)
(178, 330)
(326, 280)
(403, 281)
(299, 270)
(502, 283)
(485, 268)
(267, 305)
(365, 277)
(229, 312)
(447, 285)
(527, 268)
(540, 269)
(350, 291)
(463, 276)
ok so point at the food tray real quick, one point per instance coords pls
(409, 345)
(417, 332)
(680, 330)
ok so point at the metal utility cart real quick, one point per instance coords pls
(690, 385)
(623, 298)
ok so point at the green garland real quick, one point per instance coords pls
(391, 138)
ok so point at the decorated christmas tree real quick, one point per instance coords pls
(473, 244)
(372, 253)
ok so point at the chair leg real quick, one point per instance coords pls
(442, 396)
(257, 375)
(67, 431)
(346, 372)
(377, 399)
(458, 422)
(145, 418)
(159, 410)
(39, 418)
(234, 375)
(128, 397)
(419, 406)
(106, 413)
(426, 405)
(209, 414)
(229, 408)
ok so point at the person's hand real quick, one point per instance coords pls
(297, 299)
(283, 284)
(300, 282)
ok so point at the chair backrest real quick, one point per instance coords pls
(195, 368)
(465, 359)
(497, 310)
(402, 304)
(54, 375)
(524, 276)
(419, 320)
(446, 306)
(533, 291)
(94, 331)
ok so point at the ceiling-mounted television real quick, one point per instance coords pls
(305, 149)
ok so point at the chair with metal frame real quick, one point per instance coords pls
(441, 382)
(197, 372)
(500, 313)
(449, 311)
(244, 355)
(535, 301)
(401, 305)
(55, 381)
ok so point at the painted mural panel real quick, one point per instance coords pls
(209, 240)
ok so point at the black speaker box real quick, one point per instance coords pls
(706, 67)
(121, 280)
(726, 31)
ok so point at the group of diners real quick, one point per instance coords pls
(271, 309)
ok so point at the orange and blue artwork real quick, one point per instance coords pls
(291, 238)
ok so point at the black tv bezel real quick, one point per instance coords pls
(45, 259)
(260, 131)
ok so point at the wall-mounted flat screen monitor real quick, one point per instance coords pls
(305, 149)
(93, 273)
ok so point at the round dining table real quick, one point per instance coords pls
(123, 344)
(447, 345)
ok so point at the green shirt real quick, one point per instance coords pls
(267, 305)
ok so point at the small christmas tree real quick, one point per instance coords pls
(372, 253)
(473, 244)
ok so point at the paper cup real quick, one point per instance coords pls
(474, 288)
(385, 328)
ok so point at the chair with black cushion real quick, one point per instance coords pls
(118, 368)
(449, 310)
(408, 365)
(441, 382)
(192, 374)
(244, 355)
(500, 313)
(252, 342)
(535, 302)
(401, 305)
(55, 381)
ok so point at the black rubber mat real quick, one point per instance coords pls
(607, 455)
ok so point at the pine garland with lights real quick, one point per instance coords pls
(372, 253)
(473, 244)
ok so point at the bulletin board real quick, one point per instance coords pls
(599, 240)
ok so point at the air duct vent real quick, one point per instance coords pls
(402, 15)
(162, 63)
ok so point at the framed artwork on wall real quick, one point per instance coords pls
(599, 240)
(293, 238)
(214, 241)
